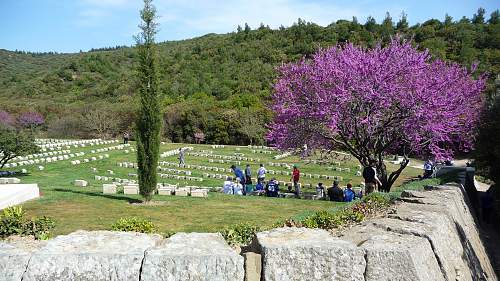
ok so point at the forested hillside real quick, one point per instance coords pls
(214, 86)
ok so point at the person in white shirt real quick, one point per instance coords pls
(228, 186)
(261, 174)
(237, 187)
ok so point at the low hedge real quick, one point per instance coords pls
(14, 222)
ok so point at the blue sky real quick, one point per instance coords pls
(73, 25)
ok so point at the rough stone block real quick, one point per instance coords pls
(193, 256)
(309, 254)
(90, 256)
(14, 258)
(394, 256)
(441, 233)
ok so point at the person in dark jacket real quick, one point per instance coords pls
(272, 188)
(248, 174)
(335, 193)
(371, 179)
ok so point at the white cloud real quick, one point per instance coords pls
(182, 19)
(215, 16)
(96, 12)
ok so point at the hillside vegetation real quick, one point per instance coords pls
(215, 86)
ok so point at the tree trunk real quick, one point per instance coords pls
(383, 177)
(387, 179)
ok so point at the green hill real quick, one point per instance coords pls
(215, 84)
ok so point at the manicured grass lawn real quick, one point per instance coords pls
(87, 208)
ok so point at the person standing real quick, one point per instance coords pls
(371, 179)
(261, 174)
(126, 137)
(248, 174)
(181, 156)
(295, 180)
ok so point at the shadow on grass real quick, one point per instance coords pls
(98, 194)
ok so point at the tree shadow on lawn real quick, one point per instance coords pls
(97, 194)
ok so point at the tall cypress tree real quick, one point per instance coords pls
(149, 120)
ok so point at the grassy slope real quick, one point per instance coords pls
(87, 208)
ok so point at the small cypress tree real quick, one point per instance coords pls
(149, 120)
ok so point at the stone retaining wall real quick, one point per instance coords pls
(430, 235)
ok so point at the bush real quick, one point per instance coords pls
(378, 200)
(134, 224)
(12, 222)
(240, 234)
(39, 227)
(353, 213)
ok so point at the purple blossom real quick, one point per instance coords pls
(31, 119)
(6, 119)
(373, 101)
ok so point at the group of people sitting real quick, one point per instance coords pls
(337, 194)
(241, 184)
(236, 187)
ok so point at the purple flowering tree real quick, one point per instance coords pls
(30, 119)
(371, 102)
(6, 119)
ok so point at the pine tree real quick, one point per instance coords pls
(495, 17)
(149, 120)
(448, 20)
(478, 18)
(402, 24)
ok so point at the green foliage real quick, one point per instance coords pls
(488, 143)
(15, 143)
(353, 213)
(220, 72)
(13, 222)
(134, 224)
(149, 119)
(240, 234)
(39, 227)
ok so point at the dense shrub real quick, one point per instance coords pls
(134, 224)
(240, 234)
(353, 213)
(13, 222)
